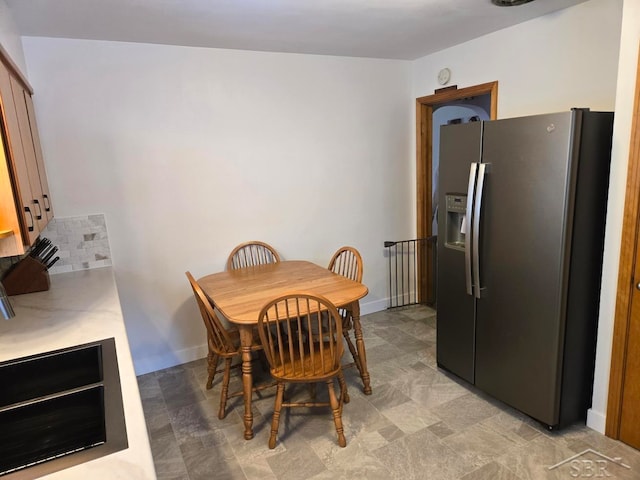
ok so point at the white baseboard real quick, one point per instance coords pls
(596, 420)
(169, 359)
(373, 306)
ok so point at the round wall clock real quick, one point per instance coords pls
(443, 76)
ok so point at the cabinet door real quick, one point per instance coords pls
(29, 154)
(16, 159)
(10, 238)
(46, 197)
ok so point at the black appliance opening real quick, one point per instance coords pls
(59, 409)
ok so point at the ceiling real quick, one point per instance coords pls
(398, 29)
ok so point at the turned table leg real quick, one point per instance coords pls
(362, 354)
(246, 341)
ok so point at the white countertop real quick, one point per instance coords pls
(82, 307)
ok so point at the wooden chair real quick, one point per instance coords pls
(295, 357)
(251, 253)
(224, 343)
(347, 262)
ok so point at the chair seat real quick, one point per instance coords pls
(301, 369)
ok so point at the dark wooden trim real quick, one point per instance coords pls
(445, 89)
(449, 95)
(14, 70)
(630, 227)
(424, 116)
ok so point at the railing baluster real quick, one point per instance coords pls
(408, 259)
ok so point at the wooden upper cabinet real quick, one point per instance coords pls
(42, 173)
(24, 192)
(28, 148)
(17, 181)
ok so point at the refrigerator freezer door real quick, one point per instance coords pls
(460, 146)
(526, 202)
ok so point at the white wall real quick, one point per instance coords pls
(627, 69)
(190, 151)
(553, 63)
(10, 38)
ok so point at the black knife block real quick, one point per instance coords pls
(27, 276)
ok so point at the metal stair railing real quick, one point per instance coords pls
(412, 271)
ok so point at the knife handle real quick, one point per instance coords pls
(50, 264)
(49, 254)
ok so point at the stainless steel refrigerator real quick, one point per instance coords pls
(521, 233)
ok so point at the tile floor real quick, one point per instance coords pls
(419, 424)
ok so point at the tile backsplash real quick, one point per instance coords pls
(82, 242)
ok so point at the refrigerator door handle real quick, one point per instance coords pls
(469, 215)
(482, 168)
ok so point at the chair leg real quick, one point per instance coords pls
(212, 365)
(353, 350)
(336, 408)
(275, 423)
(344, 394)
(312, 391)
(225, 388)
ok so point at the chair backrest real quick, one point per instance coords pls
(348, 263)
(251, 253)
(220, 339)
(293, 352)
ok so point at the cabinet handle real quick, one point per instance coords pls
(28, 210)
(47, 202)
(38, 215)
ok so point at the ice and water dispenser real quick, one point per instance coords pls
(456, 221)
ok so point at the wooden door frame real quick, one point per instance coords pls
(424, 147)
(626, 283)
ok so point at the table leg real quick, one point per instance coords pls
(246, 341)
(362, 354)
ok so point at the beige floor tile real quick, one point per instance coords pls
(352, 462)
(479, 444)
(514, 426)
(465, 411)
(491, 471)
(422, 455)
(533, 460)
(297, 462)
(411, 416)
(420, 423)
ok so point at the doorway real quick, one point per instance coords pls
(623, 406)
(472, 99)
(467, 110)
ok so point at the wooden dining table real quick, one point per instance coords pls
(240, 294)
